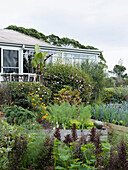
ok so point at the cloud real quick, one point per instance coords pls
(101, 23)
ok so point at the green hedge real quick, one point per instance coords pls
(115, 95)
(58, 75)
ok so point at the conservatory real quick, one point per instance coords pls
(17, 52)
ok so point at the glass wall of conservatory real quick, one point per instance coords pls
(63, 57)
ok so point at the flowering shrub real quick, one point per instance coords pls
(115, 95)
(58, 75)
(37, 105)
(67, 94)
(19, 92)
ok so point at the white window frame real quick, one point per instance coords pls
(20, 64)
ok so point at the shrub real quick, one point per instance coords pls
(67, 94)
(5, 97)
(115, 95)
(17, 115)
(19, 92)
(58, 75)
(37, 106)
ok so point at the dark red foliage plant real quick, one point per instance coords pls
(16, 155)
(68, 140)
(57, 134)
(74, 132)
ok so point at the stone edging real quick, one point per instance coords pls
(103, 133)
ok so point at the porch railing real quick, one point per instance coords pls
(5, 77)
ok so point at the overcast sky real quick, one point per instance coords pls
(100, 23)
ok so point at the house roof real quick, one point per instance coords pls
(16, 37)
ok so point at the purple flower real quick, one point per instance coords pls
(72, 77)
(76, 80)
(69, 96)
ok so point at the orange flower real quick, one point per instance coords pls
(46, 114)
(40, 98)
(41, 113)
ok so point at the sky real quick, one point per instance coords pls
(99, 23)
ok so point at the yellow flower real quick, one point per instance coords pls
(33, 99)
(42, 103)
(88, 166)
(40, 98)
(32, 103)
(37, 95)
(46, 114)
(35, 104)
(45, 117)
(45, 108)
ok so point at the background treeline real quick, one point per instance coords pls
(52, 39)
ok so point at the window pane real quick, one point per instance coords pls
(27, 62)
(10, 70)
(10, 58)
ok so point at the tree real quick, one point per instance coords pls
(119, 71)
(53, 39)
(97, 72)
